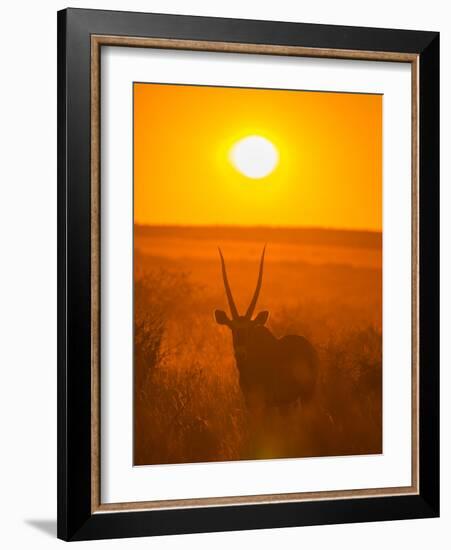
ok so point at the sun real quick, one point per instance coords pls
(254, 156)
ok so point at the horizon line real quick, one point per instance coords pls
(259, 226)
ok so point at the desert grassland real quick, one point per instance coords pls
(323, 284)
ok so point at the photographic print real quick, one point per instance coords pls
(257, 274)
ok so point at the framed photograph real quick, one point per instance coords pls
(248, 274)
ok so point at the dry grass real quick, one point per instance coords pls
(188, 404)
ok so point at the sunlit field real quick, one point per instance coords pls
(325, 285)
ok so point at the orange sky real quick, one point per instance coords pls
(329, 144)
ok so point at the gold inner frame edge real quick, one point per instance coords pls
(97, 41)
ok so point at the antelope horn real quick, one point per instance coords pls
(232, 305)
(250, 309)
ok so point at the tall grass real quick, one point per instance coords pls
(188, 405)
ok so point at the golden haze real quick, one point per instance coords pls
(330, 147)
(320, 282)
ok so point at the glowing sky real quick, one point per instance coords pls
(329, 172)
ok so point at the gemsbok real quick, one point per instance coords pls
(272, 371)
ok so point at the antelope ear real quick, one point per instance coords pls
(261, 318)
(221, 317)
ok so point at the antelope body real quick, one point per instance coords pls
(272, 371)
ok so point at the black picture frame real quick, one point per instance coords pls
(76, 521)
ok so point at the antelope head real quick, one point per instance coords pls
(241, 325)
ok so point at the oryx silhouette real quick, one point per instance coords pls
(272, 371)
